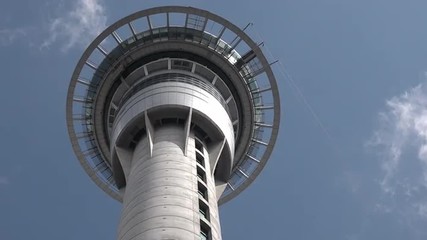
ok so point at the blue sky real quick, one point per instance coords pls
(351, 158)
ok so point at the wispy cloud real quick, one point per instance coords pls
(77, 27)
(402, 141)
(9, 36)
(4, 180)
(351, 181)
(403, 125)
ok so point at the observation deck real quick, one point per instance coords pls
(176, 46)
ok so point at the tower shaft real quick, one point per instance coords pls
(170, 153)
(169, 194)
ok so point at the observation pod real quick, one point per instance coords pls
(172, 111)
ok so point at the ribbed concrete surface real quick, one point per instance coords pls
(161, 199)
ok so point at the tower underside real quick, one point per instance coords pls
(179, 115)
(171, 151)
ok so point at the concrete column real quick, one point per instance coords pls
(161, 199)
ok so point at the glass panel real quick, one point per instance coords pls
(200, 159)
(182, 65)
(195, 22)
(201, 174)
(158, 20)
(202, 191)
(176, 19)
(202, 213)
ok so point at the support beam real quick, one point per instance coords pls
(83, 81)
(187, 130)
(124, 82)
(252, 158)
(117, 38)
(242, 172)
(219, 37)
(186, 20)
(91, 65)
(150, 133)
(214, 80)
(132, 29)
(264, 107)
(102, 50)
(145, 70)
(124, 159)
(167, 20)
(82, 100)
(260, 142)
(261, 90)
(204, 24)
(263, 125)
(149, 25)
(215, 152)
(113, 105)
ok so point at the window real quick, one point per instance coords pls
(205, 232)
(203, 235)
(203, 210)
(183, 65)
(199, 145)
(203, 192)
(201, 174)
(200, 159)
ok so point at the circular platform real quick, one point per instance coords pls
(162, 39)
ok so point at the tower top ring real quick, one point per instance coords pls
(239, 53)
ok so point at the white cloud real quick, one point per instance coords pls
(403, 126)
(402, 140)
(421, 209)
(9, 36)
(77, 27)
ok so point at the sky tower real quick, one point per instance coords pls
(173, 111)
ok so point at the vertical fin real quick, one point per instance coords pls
(150, 133)
(187, 130)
